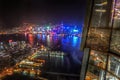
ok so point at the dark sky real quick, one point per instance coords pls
(13, 13)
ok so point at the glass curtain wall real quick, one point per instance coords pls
(99, 68)
(103, 39)
(99, 29)
(115, 40)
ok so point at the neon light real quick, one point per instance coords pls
(75, 30)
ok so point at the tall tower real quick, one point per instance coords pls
(101, 41)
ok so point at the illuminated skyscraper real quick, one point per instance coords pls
(101, 41)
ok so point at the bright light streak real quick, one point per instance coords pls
(100, 10)
(102, 4)
(75, 30)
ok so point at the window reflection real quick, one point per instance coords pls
(98, 59)
(99, 30)
(101, 65)
(115, 40)
(99, 14)
(114, 65)
(98, 39)
(94, 73)
(111, 77)
(97, 69)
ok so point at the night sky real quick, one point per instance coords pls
(14, 13)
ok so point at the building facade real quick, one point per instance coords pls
(101, 41)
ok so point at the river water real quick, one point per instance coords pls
(68, 44)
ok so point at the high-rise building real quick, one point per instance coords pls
(101, 41)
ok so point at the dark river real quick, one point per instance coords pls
(70, 45)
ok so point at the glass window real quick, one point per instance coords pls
(114, 65)
(99, 32)
(98, 59)
(111, 77)
(94, 73)
(99, 14)
(115, 41)
(98, 39)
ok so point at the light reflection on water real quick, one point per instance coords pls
(31, 39)
(68, 44)
(75, 39)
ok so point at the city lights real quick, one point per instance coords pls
(58, 29)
